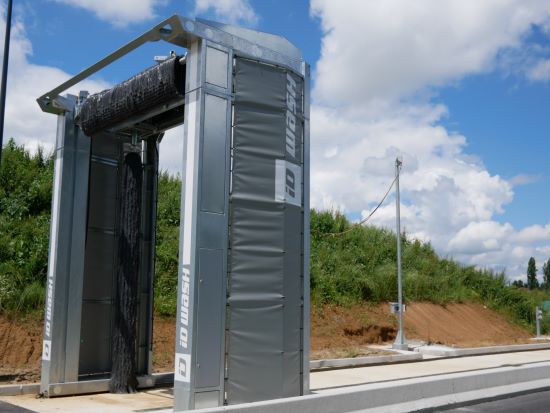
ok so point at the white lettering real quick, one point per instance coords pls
(46, 350)
(290, 183)
(184, 308)
(290, 115)
(290, 85)
(47, 342)
(183, 337)
(291, 102)
(290, 121)
(49, 305)
(290, 142)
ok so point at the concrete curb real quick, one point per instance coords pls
(478, 351)
(465, 399)
(166, 379)
(409, 394)
(316, 365)
(19, 389)
(85, 386)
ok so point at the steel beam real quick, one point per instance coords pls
(199, 360)
(66, 259)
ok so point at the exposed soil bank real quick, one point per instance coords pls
(335, 332)
(20, 349)
(462, 325)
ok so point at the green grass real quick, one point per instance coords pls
(25, 196)
(357, 267)
(166, 265)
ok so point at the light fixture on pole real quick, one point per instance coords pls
(400, 341)
(5, 75)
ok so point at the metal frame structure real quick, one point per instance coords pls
(204, 316)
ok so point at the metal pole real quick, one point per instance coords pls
(538, 316)
(400, 342)
(5, 76)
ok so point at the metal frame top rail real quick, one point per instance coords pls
(180, 31)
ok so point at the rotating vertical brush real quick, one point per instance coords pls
(123, 371)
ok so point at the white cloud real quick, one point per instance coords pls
(540, 71)
(397, 47)
(171, 151)
(380, 63)
(118, 12)
(532, 234)
(523, 179)
(479, 237)
(228, 11)
(444, 189)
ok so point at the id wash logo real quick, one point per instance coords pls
(182, 368)
(288, 176)
(288, 182)
(182, 364)
(290, 115)
(46, 350)
(184, 309)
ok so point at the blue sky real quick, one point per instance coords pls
(507, 122)
(459, 89)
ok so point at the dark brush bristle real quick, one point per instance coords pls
(123, 372)
(155, 86)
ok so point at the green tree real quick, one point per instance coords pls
(166, 265)
(546, 272)
(518, 283)
(25, 197)
(532, 282)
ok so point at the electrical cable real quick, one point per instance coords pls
(358, 224)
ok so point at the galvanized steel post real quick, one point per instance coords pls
(3, 86)
(538, 317)
(400, 342)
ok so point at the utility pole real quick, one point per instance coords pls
(538, 317)
(5, 76)
(400, 342)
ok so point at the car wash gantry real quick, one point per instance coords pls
(242, 330)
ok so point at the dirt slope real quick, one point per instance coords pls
(335, 332)
(462, 325)
(20, 349)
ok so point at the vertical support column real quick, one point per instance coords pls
(306, 240)
(147, 265)
(200, 346)
(81, 171)
(61, 341)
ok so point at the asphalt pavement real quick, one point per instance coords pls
(528, 403)
(12, 408)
